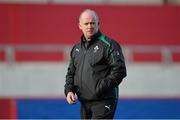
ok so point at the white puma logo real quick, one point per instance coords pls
(107, 106)
(77, 50)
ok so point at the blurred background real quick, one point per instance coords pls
(36, 37)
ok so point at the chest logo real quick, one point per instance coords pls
(118, 53)
(96, 49)
(77, 49)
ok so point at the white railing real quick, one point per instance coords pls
(165, 51)
(10, 55)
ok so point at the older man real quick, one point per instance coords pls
(95, 70)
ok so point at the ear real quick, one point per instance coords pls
(79, 26)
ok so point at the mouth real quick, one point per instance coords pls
(90, 32)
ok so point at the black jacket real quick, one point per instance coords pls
(96, 69)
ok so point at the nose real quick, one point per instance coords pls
(90, 25)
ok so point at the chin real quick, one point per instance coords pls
(90, 35)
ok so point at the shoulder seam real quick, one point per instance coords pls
(102, 38)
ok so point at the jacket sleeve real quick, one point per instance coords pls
(69, 83)
(117, 66)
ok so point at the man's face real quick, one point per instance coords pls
(89, 25)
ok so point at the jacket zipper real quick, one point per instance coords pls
(84, 57)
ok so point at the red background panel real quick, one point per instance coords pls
(176, 57)
(51, 24)
(9, 108)
(22, 56)
(147, 57)
(2, 56)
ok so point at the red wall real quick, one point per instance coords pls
(130, 25)
(8, 108)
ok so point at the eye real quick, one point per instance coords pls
(86, 24)
(92, 23)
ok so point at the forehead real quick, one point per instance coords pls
(88, 16)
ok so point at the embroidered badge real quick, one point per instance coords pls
(96, 49)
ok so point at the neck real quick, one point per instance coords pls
(88, 39)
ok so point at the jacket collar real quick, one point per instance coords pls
(94, 38)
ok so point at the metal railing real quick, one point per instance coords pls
(165, 51)
(10, 50)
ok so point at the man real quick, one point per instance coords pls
(96, 69)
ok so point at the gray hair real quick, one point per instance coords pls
(92, 12)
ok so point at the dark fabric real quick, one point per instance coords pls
(95, 71)
(104, 109)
